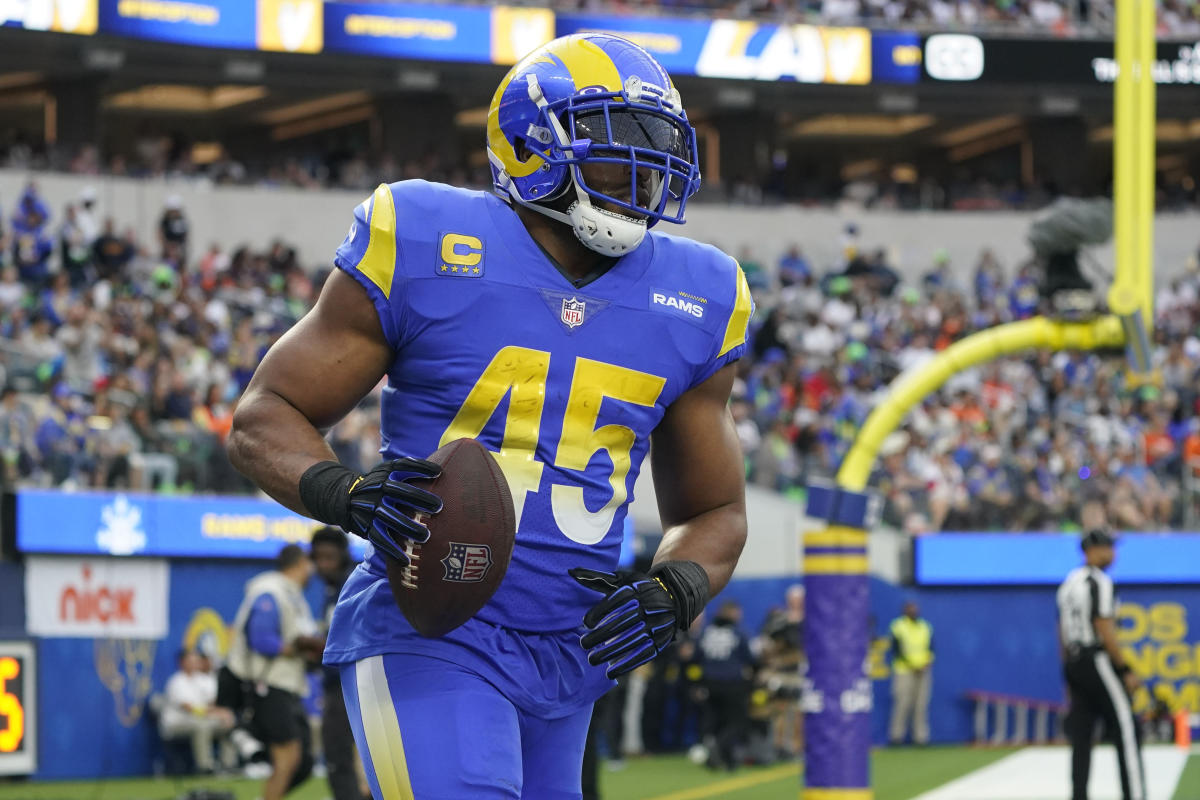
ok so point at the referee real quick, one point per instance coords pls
(1099, 681)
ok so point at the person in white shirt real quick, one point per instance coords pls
(85, 216)
(190, 712)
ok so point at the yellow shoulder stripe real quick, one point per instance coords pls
(735, 329)
(379, 262)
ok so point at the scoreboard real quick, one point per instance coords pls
(18, 712)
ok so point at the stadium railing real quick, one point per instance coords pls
(1033, 721)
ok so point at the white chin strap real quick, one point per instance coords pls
(606, 232)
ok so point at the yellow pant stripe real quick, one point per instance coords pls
(384, 744)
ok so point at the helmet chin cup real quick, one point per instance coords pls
(606, 232)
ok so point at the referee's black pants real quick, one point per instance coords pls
(1098, 693)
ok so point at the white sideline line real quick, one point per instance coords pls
(1044, 773)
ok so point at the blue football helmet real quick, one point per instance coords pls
(594, 98)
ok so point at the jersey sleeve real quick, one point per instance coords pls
(1103, 603)
(732, 336)
(370, 254)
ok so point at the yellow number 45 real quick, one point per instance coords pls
(521, 374)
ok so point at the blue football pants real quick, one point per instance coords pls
(428, 729)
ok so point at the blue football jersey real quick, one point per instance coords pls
(562, 383)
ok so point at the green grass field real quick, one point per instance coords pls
(899, 775)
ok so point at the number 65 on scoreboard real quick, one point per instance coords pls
(18, 711)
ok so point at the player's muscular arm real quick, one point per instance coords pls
(312, 377)
(697, 467)
(698, 477)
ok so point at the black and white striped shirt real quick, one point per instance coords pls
(1086, 594)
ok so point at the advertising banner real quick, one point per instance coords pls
(154, 525)
(747, 50)
(804, 53)
(895, 56)
(1045, 558)
(209, 23)
(499, 35)
(964, 58)
(290, 26)
(96, 597)
(18, 708)
(676, 43)
(60, 16)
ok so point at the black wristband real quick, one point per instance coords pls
(687, 583)
(1124, 670)
(325, 492)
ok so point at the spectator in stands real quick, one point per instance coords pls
(116, 442)
(31, 247)
(12, 291)
(85, 215)
(756, 274)
(112, 253)
(1045, 501)
(81, 336)
(794, 267)
(75, 250)
(190, 712)
(728, 668)
(61, 436)
(17, 445)
(992, 488)
(38, 342)
(173, 232)
(273, 640)
(912, 676)
(1134, 477)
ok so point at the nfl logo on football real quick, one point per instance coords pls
(467, 563)
(572, 312)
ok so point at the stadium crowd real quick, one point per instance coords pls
(1039, 17)
(1019, 444)
(122, 361)
(1046, 17)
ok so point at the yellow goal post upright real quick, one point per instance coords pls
(837, 698)
(1131, 296)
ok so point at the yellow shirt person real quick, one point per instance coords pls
(912, 681)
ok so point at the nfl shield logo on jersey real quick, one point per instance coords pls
(467, 563)
(572, 312)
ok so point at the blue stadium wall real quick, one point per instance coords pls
(94, 720)
(1002, 639)
(999, 639)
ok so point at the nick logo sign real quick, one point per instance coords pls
(96, 597)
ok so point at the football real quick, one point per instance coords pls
(452, 576)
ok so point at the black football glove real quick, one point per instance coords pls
(379, 506)
(634, 622)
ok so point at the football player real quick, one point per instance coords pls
(545, 320)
